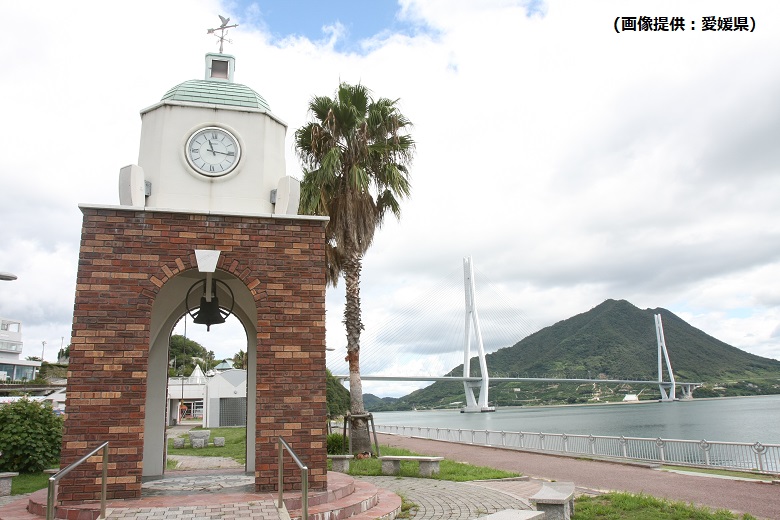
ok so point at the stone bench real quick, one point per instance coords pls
(197, 435)
(340, 463)
(556, 499)
(515, 514)
(391, 464)
(5, 482)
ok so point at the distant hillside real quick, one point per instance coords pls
(337, 397)
(614, 340)
(618, 340)
(372, 402)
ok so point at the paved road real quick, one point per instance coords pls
(757, 498)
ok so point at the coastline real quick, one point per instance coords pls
(723, 419)
(579, 405)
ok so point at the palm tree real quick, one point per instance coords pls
(355, 153)
(240, 360)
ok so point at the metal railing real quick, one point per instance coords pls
(727, 455)
(56, 478)
(304, 478)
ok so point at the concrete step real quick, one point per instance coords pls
(387, 508)
(17, 510)
(366, 502)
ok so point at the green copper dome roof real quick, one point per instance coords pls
(217, 93)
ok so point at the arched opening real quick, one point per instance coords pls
(168, 308)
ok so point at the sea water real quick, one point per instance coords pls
(737, 419)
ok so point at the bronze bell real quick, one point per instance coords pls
(208, 314)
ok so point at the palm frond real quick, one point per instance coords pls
(355, 151)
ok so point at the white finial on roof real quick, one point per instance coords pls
(222, 31)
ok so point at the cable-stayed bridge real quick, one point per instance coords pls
(379, 369)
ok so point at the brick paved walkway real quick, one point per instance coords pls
(440, 499)
(760, 499)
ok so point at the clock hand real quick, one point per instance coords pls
(211, 148)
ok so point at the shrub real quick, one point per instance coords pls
(30, 436)
(335, 444)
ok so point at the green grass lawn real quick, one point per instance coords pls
(448, 469)
(235, 445)
(29, 482)
(625, 506)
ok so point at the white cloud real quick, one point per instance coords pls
(575, 164)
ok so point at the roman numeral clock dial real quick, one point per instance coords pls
(213, 151)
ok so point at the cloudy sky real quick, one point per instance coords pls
(573, 163)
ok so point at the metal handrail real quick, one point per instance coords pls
(304, 478)
(56, 478)
(722, 454)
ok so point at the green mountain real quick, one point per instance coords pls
(614, 340)
(372, 402)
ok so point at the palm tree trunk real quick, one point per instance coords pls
(361, 441)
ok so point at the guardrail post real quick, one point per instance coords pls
(50, 498)
(661, 451)
(624, 446)
(565, 439)
(305, 493)
(503, 438)
(760, 450)
(705, 447)
(304, 479)
(280, 475)
(104, 484)
(541, 440)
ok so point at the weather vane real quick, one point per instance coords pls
(222, 31)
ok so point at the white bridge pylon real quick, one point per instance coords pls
(472, 320)
(663, 353)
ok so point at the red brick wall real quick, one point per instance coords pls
(125, 258)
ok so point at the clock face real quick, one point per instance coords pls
(213, 151)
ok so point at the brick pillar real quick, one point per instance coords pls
(126, 257)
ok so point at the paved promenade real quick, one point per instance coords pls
(223, 495)
(227, 493)
(760, 499)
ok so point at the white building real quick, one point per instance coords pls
(12, 368)
(218, 400)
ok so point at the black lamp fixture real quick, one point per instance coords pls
(209, 312)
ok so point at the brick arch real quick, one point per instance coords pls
(232, 266)
(126, 257)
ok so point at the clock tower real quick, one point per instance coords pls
(211, 145)
(208, 210)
